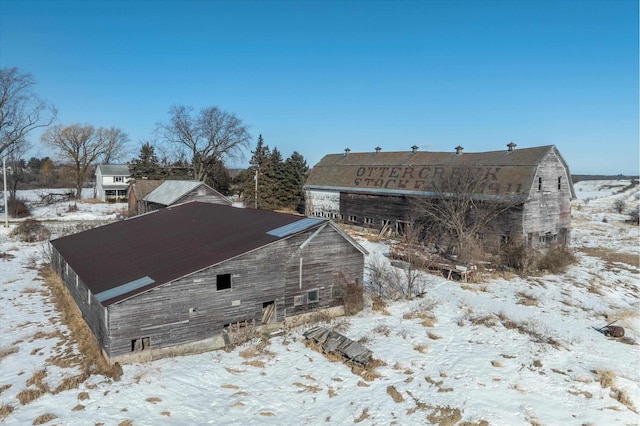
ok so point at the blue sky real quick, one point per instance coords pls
(320, 76)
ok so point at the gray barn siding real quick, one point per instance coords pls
(540, 214)
(377, 207)
(326, 256)
(162, 314)
(92, 311)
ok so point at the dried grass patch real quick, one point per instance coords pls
(29, 395)
(527, 299)
(332, 392)
(234, 370)
(126, 423)
(308, 388)
(587, 395)
(380, 306)
(610, 256)
(237, 404)
(91, 361)
(496, 364)
(363, 416)
(255, 363)
(4, 388)
(165, 413)
(362, 384)
(606, 378)
(421, 348)
(227, 386)
(444, 416)
(153, 399)
(5, 410)
(9, 351)
(78, 407)
(382, 329)
(267, 414)
(395, 395)
(44, 418)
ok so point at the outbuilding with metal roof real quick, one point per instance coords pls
(175, 279)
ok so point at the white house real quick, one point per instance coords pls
(112, 181)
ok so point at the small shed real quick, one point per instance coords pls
(172, 192)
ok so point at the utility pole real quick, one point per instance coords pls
(256, 191)
(6, 207)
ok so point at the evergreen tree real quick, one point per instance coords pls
(294, 177)
(147, 164)
(218, 177)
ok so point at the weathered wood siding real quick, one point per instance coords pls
(93, 313)
(327, 260)
(547, 212)
(204, 195)
(376, 208)
(192, 309)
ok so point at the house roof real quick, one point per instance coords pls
(509, 173)
(171, 191)
(119, 260)
(113, 169)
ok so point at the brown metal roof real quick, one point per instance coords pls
(149, 250)
(510, 173)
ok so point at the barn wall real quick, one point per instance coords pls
(93, 313)
(547, 214)
(328, 260)
(193, 309)
(207, 197)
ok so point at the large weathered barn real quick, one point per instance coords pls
(378, 189)
(177, 278)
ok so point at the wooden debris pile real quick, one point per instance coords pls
(332, 342)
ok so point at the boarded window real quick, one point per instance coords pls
(368, 221)
(297, 300)
(540, 184)
(223, 282)
(353, 218)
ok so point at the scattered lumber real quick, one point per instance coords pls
(335, 343)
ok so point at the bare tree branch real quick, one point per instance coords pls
(21, 110)
(205, 137)
(81, 147)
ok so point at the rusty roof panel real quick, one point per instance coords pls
(508, 173)
(167, 245)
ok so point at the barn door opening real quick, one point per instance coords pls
(268, 312)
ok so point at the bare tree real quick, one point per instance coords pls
(81, 147)
(205, 137)
(463, 214)
(21, 110)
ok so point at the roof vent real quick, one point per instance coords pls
(511, 146)
(414, 149)
(347, 151)
(378, 149)
(459, 149)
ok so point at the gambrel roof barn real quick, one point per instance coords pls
(375, 188)
(180, 275)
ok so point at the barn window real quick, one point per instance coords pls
(223, 282)
(193, 312)
(540, 184)
(559, 182)
(313, 296)
(353, 218)
(297, 300)
(118, 178)
(368, 221)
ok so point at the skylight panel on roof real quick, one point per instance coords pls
(124, 288)
(294, 227)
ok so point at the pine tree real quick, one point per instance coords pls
(218, 177)
(294, 177)
(147, 164)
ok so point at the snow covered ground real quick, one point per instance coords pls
(508, 351)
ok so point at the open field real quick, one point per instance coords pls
(507, 351)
